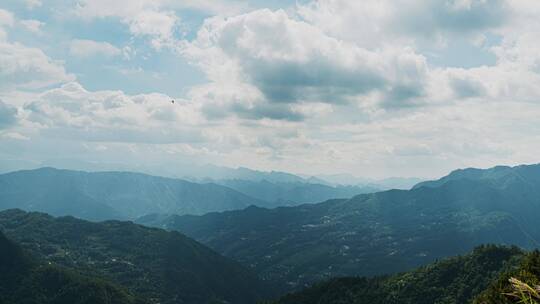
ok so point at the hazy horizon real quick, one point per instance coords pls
(202, 172)
(209, 172)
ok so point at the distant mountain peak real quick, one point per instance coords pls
(113, 195)
(498, 175)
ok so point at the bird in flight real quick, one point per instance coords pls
(172, 101)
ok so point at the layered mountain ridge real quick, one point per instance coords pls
(113, 195)
(379, 233)
(126, 195)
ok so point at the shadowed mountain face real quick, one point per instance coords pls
(113, 195)
(378, 233)
(24, 280)
(450, 281)
(12, 259)
(165, 266)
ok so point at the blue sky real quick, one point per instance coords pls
(147, 71)
(370, 88)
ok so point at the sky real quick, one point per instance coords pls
(372, 88)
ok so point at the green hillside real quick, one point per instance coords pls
(165, 267)
(455, 280)
(24, 280)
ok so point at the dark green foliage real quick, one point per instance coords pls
(374, 234)
(13, 263)
(23, 280)
(452, 281)
(527, 272)
(154, 263)
(112, 195)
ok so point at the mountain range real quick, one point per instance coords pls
(113, 195)
(402, 183)
(127, 195)
(277, 194)
(211, 173)
(346, 250)
(378, 233)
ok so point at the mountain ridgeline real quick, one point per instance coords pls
(163, 267)
(124, 195)
(113, 195)
(278, 194)
(374, 234)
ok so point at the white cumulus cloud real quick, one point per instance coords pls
(30, 68)
(284, 61)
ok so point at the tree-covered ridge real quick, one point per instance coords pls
(373, 234)
(165, 267)
(456, 280)
(24, 280)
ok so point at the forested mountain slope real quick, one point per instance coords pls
(165, 266)
(456, 280)
(24, 280)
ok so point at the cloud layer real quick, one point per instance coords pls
(363, 87)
